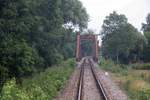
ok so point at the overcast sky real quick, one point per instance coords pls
(135, 10)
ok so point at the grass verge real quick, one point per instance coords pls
(135, 82)
(42, 86)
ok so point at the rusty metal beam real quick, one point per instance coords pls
(79, 39)
(77, 46)
(87, 37)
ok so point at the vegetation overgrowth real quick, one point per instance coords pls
(42, 86)
(36, 34)
(141, 66)
(122, 42)
(135, 82)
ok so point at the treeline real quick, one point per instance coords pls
(122, 42)
(35, 34)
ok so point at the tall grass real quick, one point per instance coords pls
(135, 82)
(143, 66)
(109, 65)
(42, 86)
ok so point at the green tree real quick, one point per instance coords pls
(146, 27)
(33, 36)
(118, 38)
(146, 54)
(75, 14)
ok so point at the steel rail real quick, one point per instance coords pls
(99, 84)
(80, 84)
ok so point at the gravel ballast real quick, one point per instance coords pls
(113, 92)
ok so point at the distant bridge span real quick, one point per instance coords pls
(95, 46)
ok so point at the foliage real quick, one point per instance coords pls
(146, 27)
(33, 36)
(144, 66)
(137, 89)
(87, 48)
(69, 44)
(43, 86)
(12, 92)
(135, 82)
(74, 14)
(109, 65)
(17, 59)
(120, 40)
(146, 55)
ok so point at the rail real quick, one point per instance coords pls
(98, 83)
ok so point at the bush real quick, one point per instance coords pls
(137, 89)
(12, 92)
(144, 66)
(3, 75)
(144, 94)
(52, 80)
(145, 76)
(17, 59)
(42, 86)
(109, 65)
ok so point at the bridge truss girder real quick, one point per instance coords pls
(95, 46)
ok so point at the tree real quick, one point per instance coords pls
(87, 48)
(118, 38)
(16, 57)
(146, 27)
(74, 14)
(146, 52)
(33, 36)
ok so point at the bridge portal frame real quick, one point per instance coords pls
(95, 46)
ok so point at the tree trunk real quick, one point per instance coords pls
(117, 57)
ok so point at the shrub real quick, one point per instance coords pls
(135, 82)
(12, 92)
(138, 89)
(109, 65)
(144, 66)
(42, 86)
(145, 76)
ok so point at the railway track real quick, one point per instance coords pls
(89, 87)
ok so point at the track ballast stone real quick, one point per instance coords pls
(112, 90)
(70, 90)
